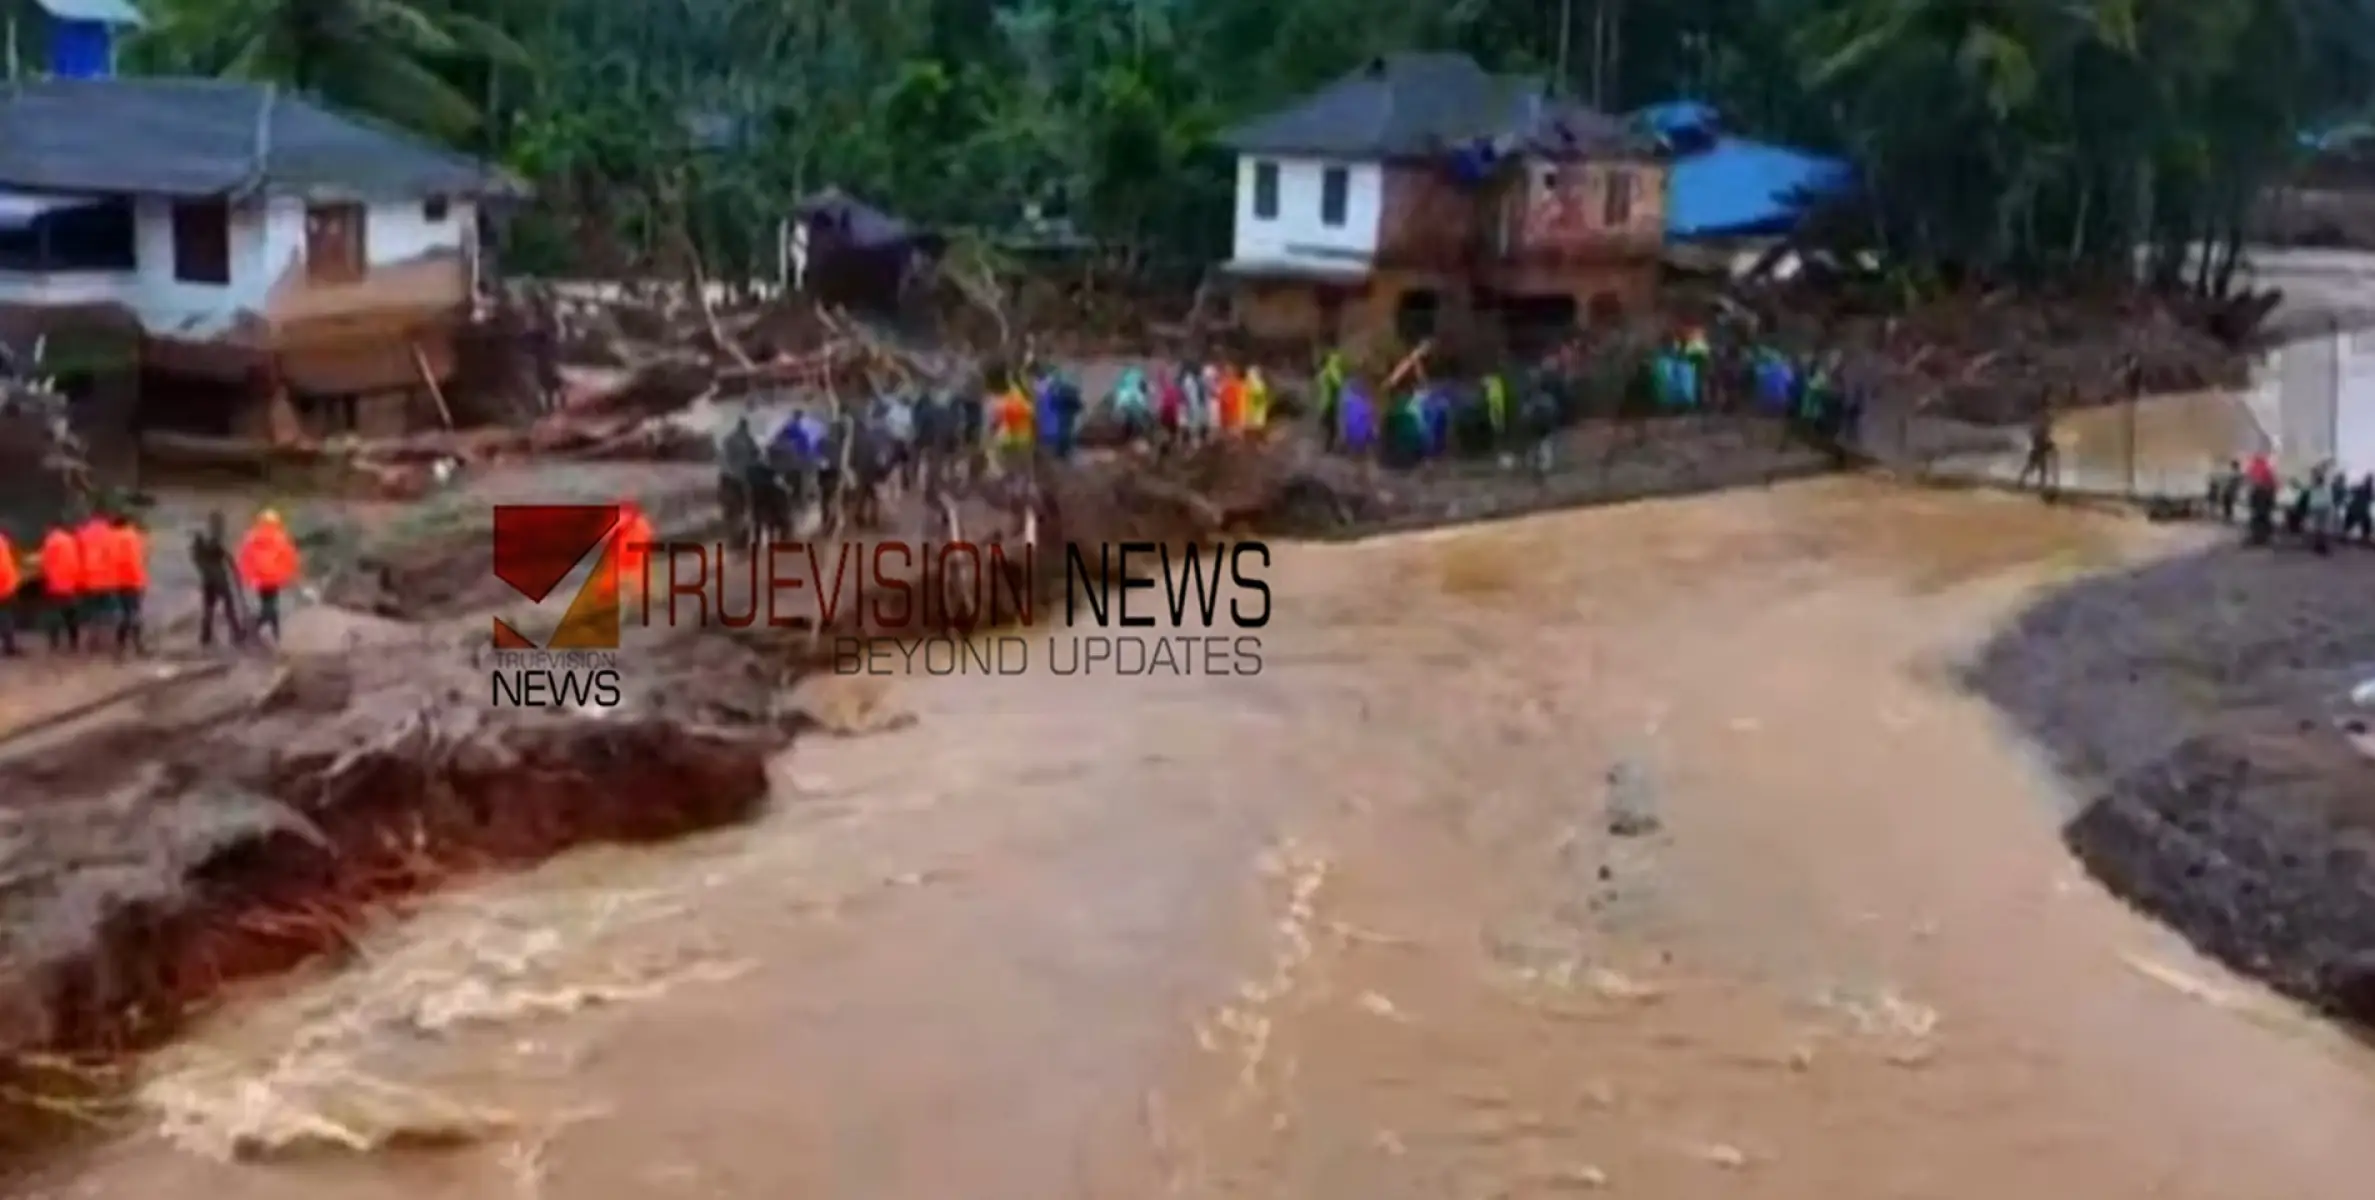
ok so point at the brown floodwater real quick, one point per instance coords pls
(1357, 927)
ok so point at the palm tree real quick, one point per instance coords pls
(393, 58)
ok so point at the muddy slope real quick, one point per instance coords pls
(234, 824)
(2199, 705)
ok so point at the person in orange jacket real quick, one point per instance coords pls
(61, 588)
(1232, 402)
(128, 558)
(633, 562)
(267, 564)
(94, 540)
(11, 579)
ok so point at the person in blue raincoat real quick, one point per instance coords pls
(1776, 382)
(1059, 408)
(1435, 409)
(1357, 418)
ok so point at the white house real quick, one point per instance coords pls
(247, 233)
(194, 270)
(1313, 213)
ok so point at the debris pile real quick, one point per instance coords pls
(1997, 358)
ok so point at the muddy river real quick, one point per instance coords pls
(1645, 849)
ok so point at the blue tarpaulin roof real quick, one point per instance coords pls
(1725, 186)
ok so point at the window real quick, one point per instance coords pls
(202, 241)
(86, 237)
(434, 209)
(1617, 210)
(1334, 185)
(334, 251)
(1265, 191)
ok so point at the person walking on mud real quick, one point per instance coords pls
(268, 564)
(2045, 459)
(210, 556)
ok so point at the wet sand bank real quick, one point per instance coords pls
(2196, 704)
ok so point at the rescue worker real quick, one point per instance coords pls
(1014, 420)
(633, 561)
(128, 557)
(210, 555)
(61, 588)
(94, 540)
(268, 565)
(10, 580)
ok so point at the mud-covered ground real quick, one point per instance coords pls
(2202, 705)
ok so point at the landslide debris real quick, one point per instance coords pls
(2201, 706)
(232, 825)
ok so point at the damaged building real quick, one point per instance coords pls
(225, 258)
(1421, 196)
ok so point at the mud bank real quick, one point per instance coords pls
(2199, 705)
(228, 827)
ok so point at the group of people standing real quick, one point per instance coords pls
(2324, 505)
(1405, 424)
(928, 441)
(86, 582)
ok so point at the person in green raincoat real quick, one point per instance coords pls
(1496, 410)
(1406, 431)
(1331, 393)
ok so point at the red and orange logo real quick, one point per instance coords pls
(537, 546)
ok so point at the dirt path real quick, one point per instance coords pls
(1358, 927)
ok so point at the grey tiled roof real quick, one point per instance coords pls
(1397, 106)
(1564, 130)
(111, 12)
(202, 137)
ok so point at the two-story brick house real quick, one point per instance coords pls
(1422, 191)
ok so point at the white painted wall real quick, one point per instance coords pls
(267, 240)
(1296, 236)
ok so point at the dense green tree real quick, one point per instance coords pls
(2022, 138)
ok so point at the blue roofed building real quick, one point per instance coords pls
(1725, 186)
(65, 39)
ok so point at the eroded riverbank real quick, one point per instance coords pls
(1363, 926)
